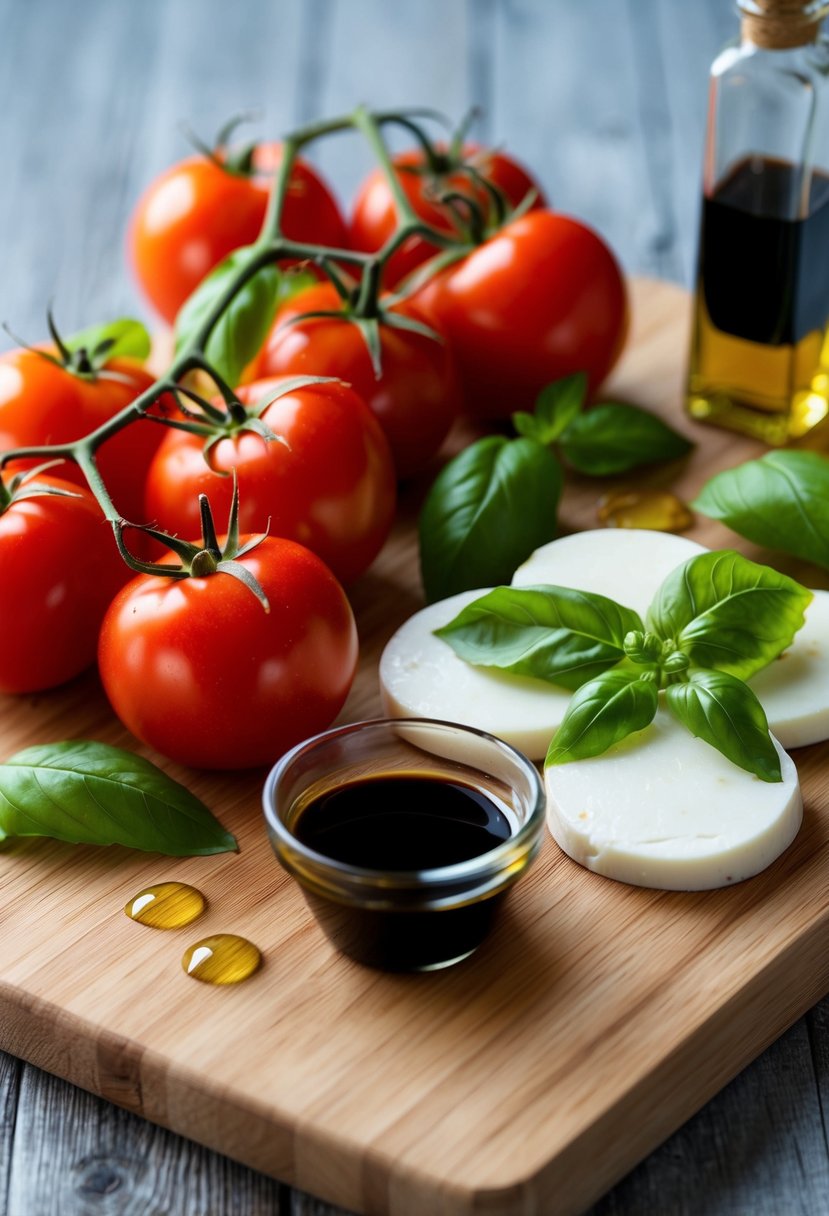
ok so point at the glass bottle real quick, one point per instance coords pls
(760, 351)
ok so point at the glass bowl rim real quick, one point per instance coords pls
(474, 868)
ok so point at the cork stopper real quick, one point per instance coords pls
(778, 25)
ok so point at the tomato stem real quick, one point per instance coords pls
(271, 246)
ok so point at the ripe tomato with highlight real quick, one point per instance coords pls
(197, 212)
(329, 484)
(42, 403)
(59, 570)
(415, 399)
(197, 669)
(541, 299)
(374, 217)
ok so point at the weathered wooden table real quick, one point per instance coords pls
(606, 100)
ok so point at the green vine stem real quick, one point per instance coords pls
(271, 246)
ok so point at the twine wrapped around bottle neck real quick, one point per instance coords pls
(777, 25)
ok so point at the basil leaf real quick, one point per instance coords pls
(486, 512)
(602, 713)
(124, 338)
(728, 613)
(90, 793)
(780, 501)
(724, 712)
(555, 408)
(556, 634)
(611, 438)
(243, 326)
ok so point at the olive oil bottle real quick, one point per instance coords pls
(760, 351)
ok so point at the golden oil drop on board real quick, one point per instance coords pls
(658, 510)
(223, 958)
(167, 905)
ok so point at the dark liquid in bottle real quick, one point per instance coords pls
(394, 823)
(760, 359)
(764, 253)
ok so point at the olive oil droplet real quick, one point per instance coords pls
(655, 509)
(168, 905)
(221, 959)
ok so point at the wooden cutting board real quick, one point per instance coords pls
(595, 1020)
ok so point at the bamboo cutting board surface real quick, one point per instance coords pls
(593, 1022)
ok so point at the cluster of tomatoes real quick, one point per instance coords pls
(194, 665)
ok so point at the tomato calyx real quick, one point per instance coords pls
(215, 423)
(208, 558)
(238, 162)
(24, 485)
(89, 353)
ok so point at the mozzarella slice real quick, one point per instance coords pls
(422, 677)
(663, 809)
(626, 564)
(794, 689)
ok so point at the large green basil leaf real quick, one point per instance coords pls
(556, 634)
(602, 713)
(243, 326)
(728, 613)
(724, 712)
(611, 438)
(124, 338)
(90, 793)
(487, 511)
(780, 501)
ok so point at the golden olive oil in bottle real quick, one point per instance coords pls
(760, 354)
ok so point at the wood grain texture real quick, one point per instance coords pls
(596, 1019)
(91, 95)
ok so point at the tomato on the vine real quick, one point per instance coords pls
(42, 402)
(59, 569)
(541, 299)
(327, 482)
(374, 217)
(197, 669)
(198, 211)
(415, 399)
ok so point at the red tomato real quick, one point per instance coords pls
(198, 670)
(43, 403)
(331, 488)
(59, 569)
(374, 218)
(416, 398)
(196, 213)
(543, 298)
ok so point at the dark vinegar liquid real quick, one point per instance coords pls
(402, 822)
(759, 358)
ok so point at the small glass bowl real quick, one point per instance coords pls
(406, 920)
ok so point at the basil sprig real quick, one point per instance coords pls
(553, 633)
(780, 501)
(497, 501)
(89, 793)
(715, 621)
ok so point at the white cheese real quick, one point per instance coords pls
(794, 689)
(625, 564)
(663, 809)
(422, 677)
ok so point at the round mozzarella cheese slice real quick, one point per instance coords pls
(794, 689)
(663, 809)
(625, 564)
(422, 677)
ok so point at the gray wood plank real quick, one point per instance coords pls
(74, 1155)
(11, 1071)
